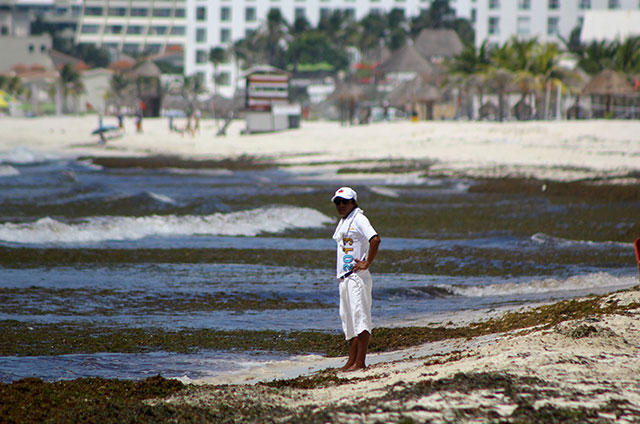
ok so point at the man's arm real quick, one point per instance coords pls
(374, 243)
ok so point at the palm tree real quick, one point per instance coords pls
(468, 70)
(518, 57)
(627, 56)
(11, 84)
(119, 85)
(596, 56)
(276, 37)
(217, 55)
(71, 84)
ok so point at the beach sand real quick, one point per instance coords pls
(582, 370)
(560, 150)
(578, 371)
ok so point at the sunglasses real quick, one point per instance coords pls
(341, 201)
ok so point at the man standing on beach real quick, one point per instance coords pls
(357, 248)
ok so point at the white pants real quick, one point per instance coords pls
(355, 304)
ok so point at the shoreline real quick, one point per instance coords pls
(580, 368)
(555, 150)
(569, 365)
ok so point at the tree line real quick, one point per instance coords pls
(530, 67)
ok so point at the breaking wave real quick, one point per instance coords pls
(91, 230)
(595, 281)
(547, 240)
(22, 156)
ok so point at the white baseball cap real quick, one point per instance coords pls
(345, 193)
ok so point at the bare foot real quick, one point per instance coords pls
(346, 367)
(355, 367)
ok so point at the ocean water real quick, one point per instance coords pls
(61, 206)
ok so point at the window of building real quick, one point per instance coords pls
(580, 21)
(494, 25)
(524, 25)
(223, 78)
(139, 11)
(179, 13)
(32, 48)
(325, 12)
(117, 11)
(350, 13)
(375, 11)
(159, 30)
(225, 35)
(130, 47)
(584, 4)
(135, 29)
(162, 12)
(554, 4)
(300, 13)
(614, 4)
(524, 4)
(114, 29)
(201, 35)
(90, 29)
(177, 30)
(93, 11)
(201, 56)
(494, 4)
(201, 13)
(225, 14)
(474, 15)
(250, 14)
(553, 25)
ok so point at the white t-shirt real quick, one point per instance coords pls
(352, 236)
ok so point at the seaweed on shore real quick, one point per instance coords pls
(23, 339)
(92, 400)
(105, 302)
(462, 261)
(240, 163)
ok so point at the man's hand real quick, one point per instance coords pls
(361, 265)
(374, 243)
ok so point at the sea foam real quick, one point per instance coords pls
(593, 281)
(22, 156)
(252, 222)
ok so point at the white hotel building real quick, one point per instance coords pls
(212, 23)
(199, 25)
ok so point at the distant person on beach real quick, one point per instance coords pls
(357, 248)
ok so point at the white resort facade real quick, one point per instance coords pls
(197, 26)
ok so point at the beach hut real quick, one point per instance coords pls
(347, 94)
(148, 87)
(405, 64)
(435, 45)
(416, 97)
(611, 95)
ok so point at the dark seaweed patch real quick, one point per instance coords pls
(25, 339)
(160, 162)
(78, 302)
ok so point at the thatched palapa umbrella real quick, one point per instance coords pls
(419, 95)
(608, 83)
(347, 94)
(147, 77)
(406, 60)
